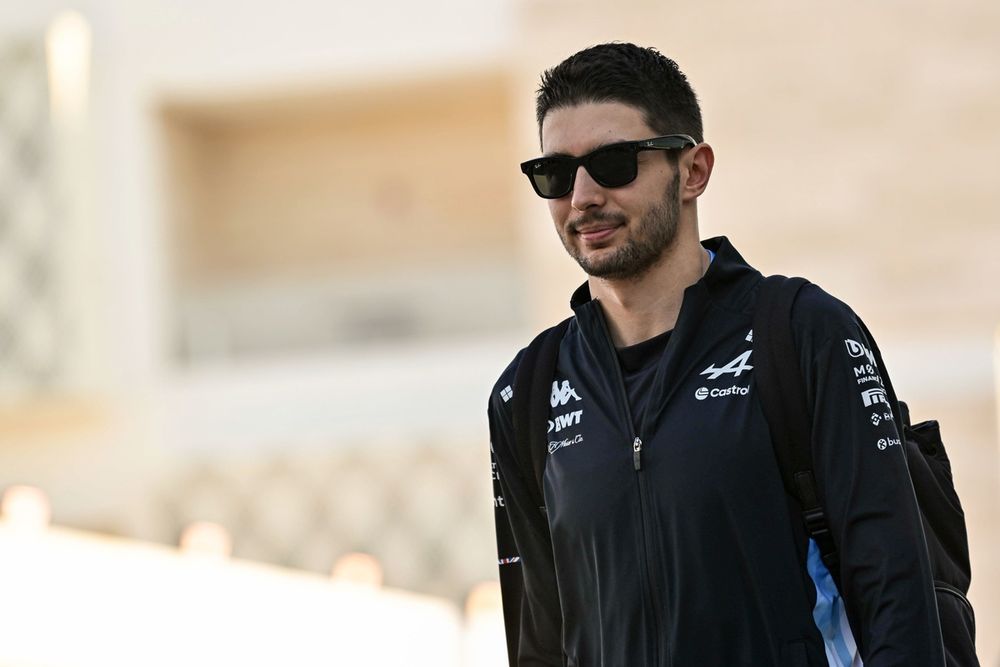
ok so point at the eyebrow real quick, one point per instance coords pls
(595, 148)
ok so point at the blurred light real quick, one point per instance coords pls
(67, 46)
(484, 597)
(204, 538)
(484, 641)
(358, 568)
(26, 509)
(73, 599)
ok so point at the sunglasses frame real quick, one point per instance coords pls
(665, 143)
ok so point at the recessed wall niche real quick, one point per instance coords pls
(341, 217)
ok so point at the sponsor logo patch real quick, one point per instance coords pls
(736, 367)
(556, 445)
(857, 350)
(885, 443)
(873, 396)
(506, 393)
(562, 394)
(878, 418)
(701, 393)
(563, 421)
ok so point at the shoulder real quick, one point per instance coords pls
(503, 388)
(817, 313)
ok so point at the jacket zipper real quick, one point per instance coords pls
(637, 464)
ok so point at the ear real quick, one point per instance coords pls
(696, 167)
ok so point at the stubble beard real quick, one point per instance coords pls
(653, 235)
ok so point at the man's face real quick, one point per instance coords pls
(614, 233)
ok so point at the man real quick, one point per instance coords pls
(672, 540)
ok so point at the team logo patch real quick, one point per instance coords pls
(736, 367)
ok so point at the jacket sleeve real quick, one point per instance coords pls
(532, 615)
(864, 485)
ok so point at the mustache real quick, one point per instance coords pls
(590, 218)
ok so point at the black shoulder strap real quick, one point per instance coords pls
(780, 386)
(532, 391)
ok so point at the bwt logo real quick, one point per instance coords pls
(856, 349)
(562, 421)
(561, 395)
(873, 396)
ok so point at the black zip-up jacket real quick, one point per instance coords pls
(691, 553)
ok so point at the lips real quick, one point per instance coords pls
(597, 233)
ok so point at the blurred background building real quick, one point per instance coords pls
(260, 264)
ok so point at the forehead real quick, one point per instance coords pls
(578, 129)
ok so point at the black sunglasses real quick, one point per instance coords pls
(611, 166)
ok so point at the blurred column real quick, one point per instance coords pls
(996, 381)
(68, 46)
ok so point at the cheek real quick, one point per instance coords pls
(558, 210)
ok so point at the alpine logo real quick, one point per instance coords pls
(701, 393)
(736, 367)
(873, 396)
(562, 394)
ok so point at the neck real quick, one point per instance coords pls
(639, 308)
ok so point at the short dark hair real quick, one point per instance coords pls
(626, 73)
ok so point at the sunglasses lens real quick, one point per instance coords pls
(613, 166)
(552, 178)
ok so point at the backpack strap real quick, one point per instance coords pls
(779, 383)
(532, 393)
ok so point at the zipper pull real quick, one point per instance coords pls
(637, 453)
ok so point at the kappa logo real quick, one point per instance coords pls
(562, 394)
(736, 367)
(873, 396)
(857, 350)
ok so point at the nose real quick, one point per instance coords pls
(586, 191)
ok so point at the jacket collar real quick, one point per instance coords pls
(727, 271)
